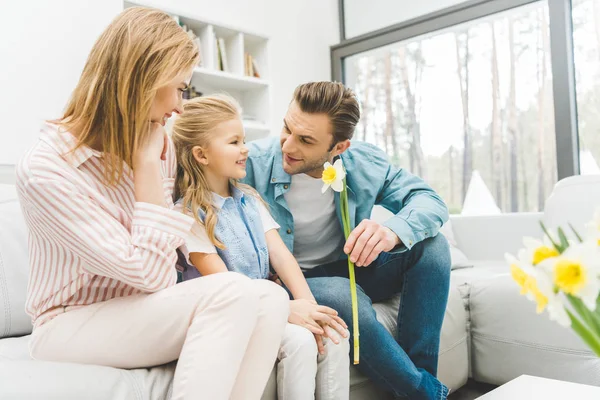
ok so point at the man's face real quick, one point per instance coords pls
(306, 142)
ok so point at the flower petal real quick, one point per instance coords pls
(338, 185)
(326, 165)
(325, 187)
(557, 313)
(339, 168)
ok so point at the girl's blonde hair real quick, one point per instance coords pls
(195, 127)
(142, 50)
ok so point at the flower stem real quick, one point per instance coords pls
(347, 229)
(588, 336)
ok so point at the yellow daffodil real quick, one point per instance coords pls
(576, 272)
(537, 251)
(565, 282)
(537, 285)
(532, 282)
(333, 175)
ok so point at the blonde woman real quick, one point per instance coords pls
(96, 191)
(235, 232)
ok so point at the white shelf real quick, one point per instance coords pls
(255, 130)
(253, 94)
(227, 80)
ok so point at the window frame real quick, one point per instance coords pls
(561, 58)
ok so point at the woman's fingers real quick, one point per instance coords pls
(338, 328)
(341, 321)
(320, 344)
(321, 318)
(327, 310)
(163, 156)
(331, 334)
(313, 326)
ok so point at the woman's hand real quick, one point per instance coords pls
(320, 320)
(153, 148)
(147, 175)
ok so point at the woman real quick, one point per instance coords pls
(96, 195)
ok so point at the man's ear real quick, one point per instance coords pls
(340, 147)
(199, 155)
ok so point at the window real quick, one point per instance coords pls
(362, 17)
(586, 49)
(468, 108)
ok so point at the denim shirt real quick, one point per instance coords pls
(419, 210)
(240, 229)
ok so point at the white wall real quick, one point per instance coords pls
(363, 16)
(44, 45)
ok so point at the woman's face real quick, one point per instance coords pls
(169, 99)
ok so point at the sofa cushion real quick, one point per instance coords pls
(24, 378)
(573, 200)
(14, 266)
(459, 259)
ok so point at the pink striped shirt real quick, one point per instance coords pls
(89, 242)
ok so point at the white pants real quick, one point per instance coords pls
(300, 363)
(224, 328)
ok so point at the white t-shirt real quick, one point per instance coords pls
(198, 241)
(318, 236)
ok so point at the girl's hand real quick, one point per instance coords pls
(320, 320)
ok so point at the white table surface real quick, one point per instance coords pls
(527, 387)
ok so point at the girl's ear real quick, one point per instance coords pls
(199, 155)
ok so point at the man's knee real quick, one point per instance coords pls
(334, 292)
(331, 291)
(437, 252)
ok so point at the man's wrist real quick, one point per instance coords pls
(396, 238)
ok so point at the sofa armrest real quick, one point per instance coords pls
(489, 237)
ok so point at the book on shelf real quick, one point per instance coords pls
(217, 56)
(192, 36)
(255, 69)
(223, 52)
(250, 68)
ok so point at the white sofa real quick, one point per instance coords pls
(490, 333)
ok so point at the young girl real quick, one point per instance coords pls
(235, 232)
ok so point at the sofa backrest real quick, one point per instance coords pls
(573, 200)
(14, 266)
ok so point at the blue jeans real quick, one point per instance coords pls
(406, 365)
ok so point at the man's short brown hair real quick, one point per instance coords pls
(335, 100)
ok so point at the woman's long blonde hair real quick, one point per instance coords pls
(195, 127)
(142, 50)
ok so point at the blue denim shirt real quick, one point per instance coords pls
(240, 229)
(419, 210)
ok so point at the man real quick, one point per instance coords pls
(404, 255)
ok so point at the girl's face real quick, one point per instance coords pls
(169, 99)
(226, 154)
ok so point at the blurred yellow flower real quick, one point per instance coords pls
(536, 251)
(569, 275)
